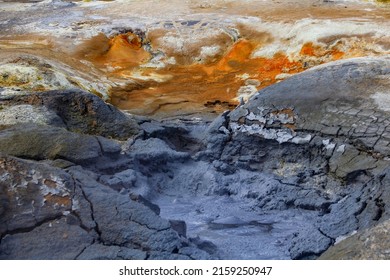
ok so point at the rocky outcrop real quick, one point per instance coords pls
(289, 174)
(345, 119)
(49, 213)
(55, 204)
(327, 142)
(79, 112)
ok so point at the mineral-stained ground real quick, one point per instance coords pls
(194, 129)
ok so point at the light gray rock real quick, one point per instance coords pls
(369, 244)
(48, 142)
(81, 112)
(155, 150)
(11, 115)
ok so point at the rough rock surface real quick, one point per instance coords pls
(53, 209)
(370, 244)
(297, 168)
(49, 213)
(327, 141)
(80, 112)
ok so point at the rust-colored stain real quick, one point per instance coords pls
(290, 113)
(287, 111)
(195, 87)
(292, 127)
(52, 199)
(50, 183)
(269, 68)
(199, 88)
(121, 51)
(309, 49)
(126, 50)
(181, 89)
(234, 60)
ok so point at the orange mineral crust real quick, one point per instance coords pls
(200, 88)
(56, 200)
(123, 51)
(181, 57)
(309, 49)
(147, 79)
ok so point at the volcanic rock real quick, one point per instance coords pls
(53, 209)
(370, 244)
(80, 112)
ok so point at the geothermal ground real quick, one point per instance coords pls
(194, 129)
(175, 58)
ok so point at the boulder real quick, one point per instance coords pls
(81, 112)
(48, 142)
(346, 120)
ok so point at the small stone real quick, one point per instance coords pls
(179, 226)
